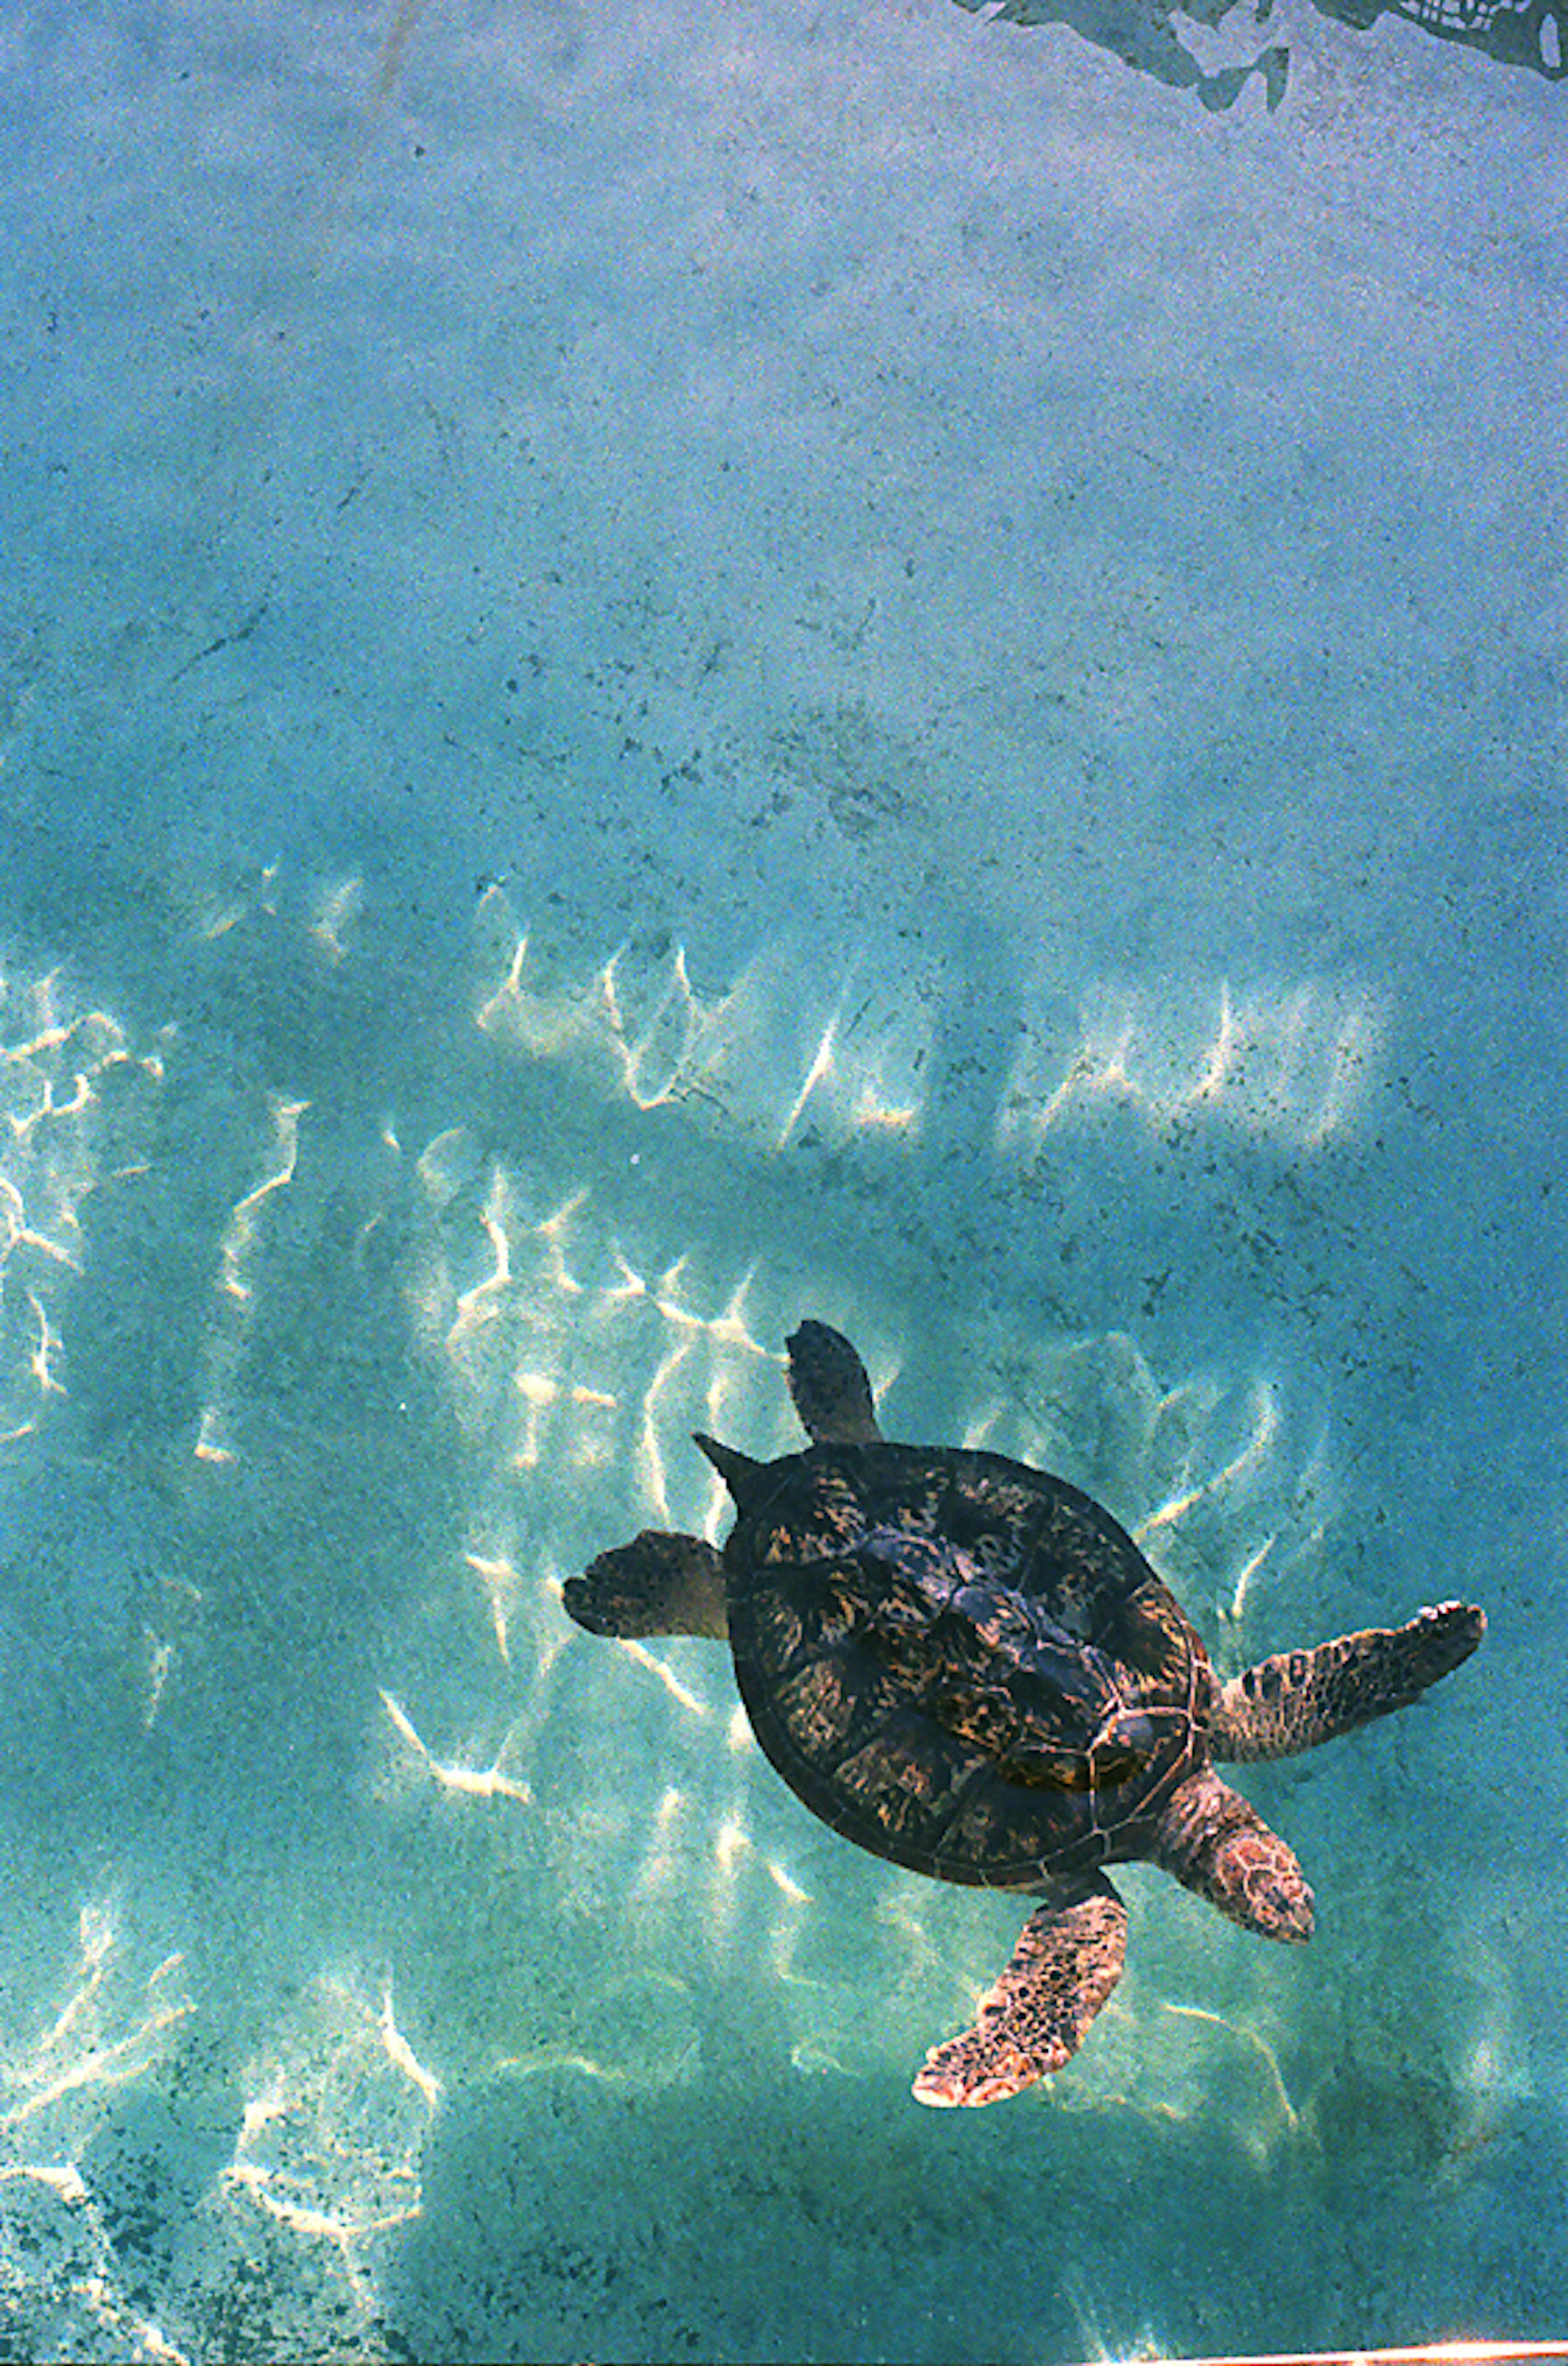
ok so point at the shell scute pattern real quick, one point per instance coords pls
(996, 1835)
(933, 1770)
(827, 1700)
(985, 1680)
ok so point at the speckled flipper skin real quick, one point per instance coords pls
(659, 1584)
(1298, 1699)
(1062, 1968)
(1217, 1845)
(829, 1389)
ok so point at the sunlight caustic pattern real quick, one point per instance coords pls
(339, 2109)
(579, 1336)
(112, 2030)
(327, 2150)
(474, 1782)
(639, 1027)
(580, 1350)
(1288, 1063)
(601, 1886)
(226, 1336)
(75, 1099)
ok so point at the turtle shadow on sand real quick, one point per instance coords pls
(968, 1668)
(754, 2213)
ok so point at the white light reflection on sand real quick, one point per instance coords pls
(746, 1060)
(331, 2138)
(49, 1343)
(503, 1583)
(1264, 1415)
(336, 912)
(112, 2031)
(453, 1774)
(75, 2054)
(20, 1234)
(239, 1248)
(656, 1040)
(821, 1065)
(661, 1859)
(647, 2037)
(1249, 2038)
(1291, 1063)
(682, 1694)
(219, 911)
(237, 1243)
(76, 1101)
(665, 1055)
(587, 1354)
(478, 1304)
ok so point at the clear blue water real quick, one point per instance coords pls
(657, 675)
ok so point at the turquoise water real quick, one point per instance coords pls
(656, 676)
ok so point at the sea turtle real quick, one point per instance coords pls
(968, 1668)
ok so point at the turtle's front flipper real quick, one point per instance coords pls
(828, 1385)
(1062, 1968)
(1299, 1698)
(659, 1584)
(1217, 1843)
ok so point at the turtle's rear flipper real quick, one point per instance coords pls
(1299, 1698)
(1062, 1968)
(659, 1584)
(828, 1387)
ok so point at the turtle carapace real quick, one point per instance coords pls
(968, 1668)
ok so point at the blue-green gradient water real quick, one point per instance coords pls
(662, 672)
